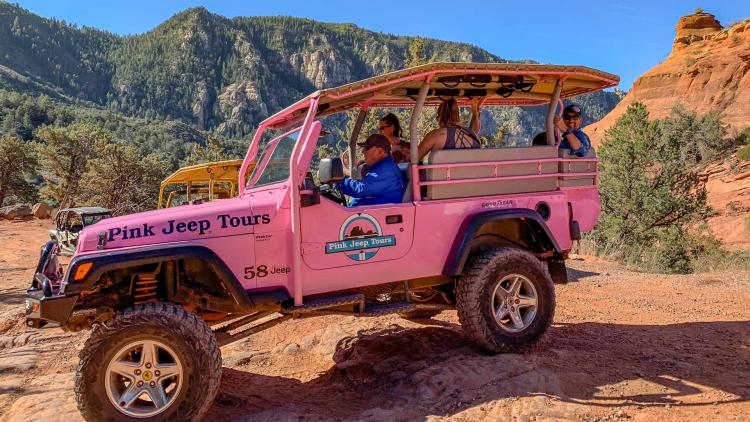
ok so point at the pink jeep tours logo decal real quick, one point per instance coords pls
(360, 238)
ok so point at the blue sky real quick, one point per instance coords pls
(625, 38)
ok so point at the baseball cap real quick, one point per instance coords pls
(377, 140)
(573, 108)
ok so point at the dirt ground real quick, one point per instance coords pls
(624, 346)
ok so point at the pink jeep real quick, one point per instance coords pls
(484, 231)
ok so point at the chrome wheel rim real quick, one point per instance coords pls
(514, 303)
(144, 378)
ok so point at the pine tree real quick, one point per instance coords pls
(213, 151)
(122, 180)
(64, 157)
(17, 166)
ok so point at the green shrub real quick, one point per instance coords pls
(650, 193)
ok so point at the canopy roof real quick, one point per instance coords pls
(222, 171)
(88, 210)
(512, 84)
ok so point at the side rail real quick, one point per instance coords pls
(466, 179)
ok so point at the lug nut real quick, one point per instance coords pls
(138, 372)
(517, 301)
(157, 373)
(152, 384)
(148, 365)
(139, 384)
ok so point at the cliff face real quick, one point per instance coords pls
(707, 70)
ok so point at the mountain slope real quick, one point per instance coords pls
(209, 71)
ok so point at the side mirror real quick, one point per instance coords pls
(331, 170)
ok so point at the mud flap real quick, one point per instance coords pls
(557, 271)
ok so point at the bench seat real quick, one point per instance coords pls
(499, 187)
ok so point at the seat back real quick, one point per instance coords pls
(572, 167)
(498, 187)
(406, 170)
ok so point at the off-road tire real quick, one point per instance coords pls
(474, 291)
(182, 331)
(419, 314)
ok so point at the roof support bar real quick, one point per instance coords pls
(299, 148)
(416, 112)
(353, 139)
(549, 123)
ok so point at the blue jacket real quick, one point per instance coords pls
(383, 184)
(585, 143)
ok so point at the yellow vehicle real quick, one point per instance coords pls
(201, 182)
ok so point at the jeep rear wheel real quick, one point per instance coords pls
(154, 361)
(505, 300)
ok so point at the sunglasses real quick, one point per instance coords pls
(384, 127)
(571, 117)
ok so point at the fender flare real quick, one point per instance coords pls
(118, 259)
(461, 247)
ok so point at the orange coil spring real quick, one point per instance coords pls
(145, 288)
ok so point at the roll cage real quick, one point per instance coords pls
(500, 84)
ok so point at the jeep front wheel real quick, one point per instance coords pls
(153, 361)
(505, 300)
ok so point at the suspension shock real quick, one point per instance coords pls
(145, 286)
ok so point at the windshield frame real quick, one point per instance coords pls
(266, 155)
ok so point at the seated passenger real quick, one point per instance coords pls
(539, 140)
(390, 127)
(573, 138)
(450, 134)
(403, 155)
(383, 184)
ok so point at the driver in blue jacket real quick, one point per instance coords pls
(384, 183)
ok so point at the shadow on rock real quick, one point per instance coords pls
(412, 372)
(671, 362)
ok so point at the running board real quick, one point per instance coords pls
(328, 303)
(235, 323)
(388, 308)
(240, 329)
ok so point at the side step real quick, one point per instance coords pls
(239, 329)
(388, 308)
(328, 303)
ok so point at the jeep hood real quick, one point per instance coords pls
(188, 222)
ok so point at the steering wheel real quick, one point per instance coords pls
(333, 192)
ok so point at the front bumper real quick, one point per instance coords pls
(41, 309)
(43, 302)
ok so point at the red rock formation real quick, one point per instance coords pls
(706, 71)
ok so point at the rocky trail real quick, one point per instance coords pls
(624, 346)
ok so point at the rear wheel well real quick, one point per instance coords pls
(510, 232)
(521, 229)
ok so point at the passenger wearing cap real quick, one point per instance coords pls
(573, 137)
(383, 184)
